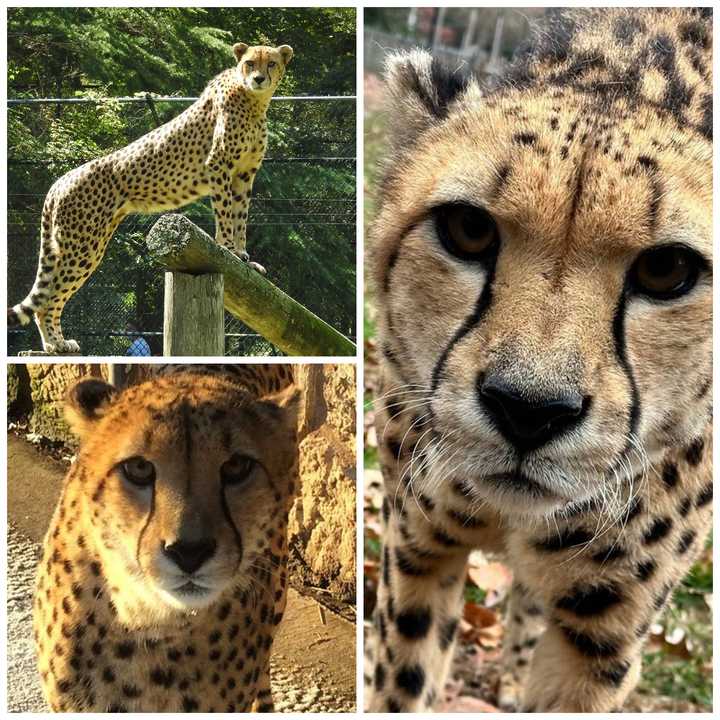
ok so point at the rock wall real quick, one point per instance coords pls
(322, 520)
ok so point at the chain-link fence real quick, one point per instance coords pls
(301, 225)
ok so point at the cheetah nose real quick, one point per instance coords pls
(189, 555)
(529, 423)
(259, 79)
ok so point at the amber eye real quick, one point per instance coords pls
(272, 64)
(249, 64)
(237, 469)
(466, 231)
(138, 471)
(666, 272)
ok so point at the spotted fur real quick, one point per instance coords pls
(215, 148)
(166, 598)
(594, 148)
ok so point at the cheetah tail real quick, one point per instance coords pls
(22, 313)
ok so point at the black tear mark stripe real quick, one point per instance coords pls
(471, 321)
(621, 354)
(391, 263)
(151, 512)
(589, 601)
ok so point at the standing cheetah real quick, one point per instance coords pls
(164, 571)
(542, 265)
(215, 148)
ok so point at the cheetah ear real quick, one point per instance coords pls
(420, 91)
(283, 406)
(286, 53)
(239, 50)
(86, 402)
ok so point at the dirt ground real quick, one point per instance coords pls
(313, 663)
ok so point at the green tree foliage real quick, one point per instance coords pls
(302, 217)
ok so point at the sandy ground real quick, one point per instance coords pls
(313, 664)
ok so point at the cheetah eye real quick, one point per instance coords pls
(237, 469)
(249, 64)
(138, 471)
(666, 272)
(272, 64)
(465, 231)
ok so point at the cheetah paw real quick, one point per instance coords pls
(509, 695)
(258, 267)
(63, 347)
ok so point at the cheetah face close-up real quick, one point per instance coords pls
(261, 68)
(571, 341)
(182, 483)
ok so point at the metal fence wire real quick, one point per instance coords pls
(301, 224)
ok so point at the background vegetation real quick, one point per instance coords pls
(677, 661)
(302, 218)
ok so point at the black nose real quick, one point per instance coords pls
(259, 79)
(190, 555)
(529, 423)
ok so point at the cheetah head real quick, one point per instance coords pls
(544, 285)
(260, 67)
(184, 480)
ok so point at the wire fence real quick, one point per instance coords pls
(301, 225)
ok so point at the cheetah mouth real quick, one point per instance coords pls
(519, 482)
(193, 589)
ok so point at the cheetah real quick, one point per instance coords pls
(541, 261)
(215, 147)
(164, 571)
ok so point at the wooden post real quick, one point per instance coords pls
(194, 321)
(180, 245)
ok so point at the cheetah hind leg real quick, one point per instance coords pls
(48, 323)
(264, 701)
(524, 624)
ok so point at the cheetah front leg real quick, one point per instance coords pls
(242, 187)
(524, 625)
(602, 593)
(264, 701)
(418, 611)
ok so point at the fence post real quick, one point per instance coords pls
(194, 321)
(181, 246)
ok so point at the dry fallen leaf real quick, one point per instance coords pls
(491, 577)
(479, 616)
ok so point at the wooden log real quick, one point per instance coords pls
(194, 321)
(182, 246)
